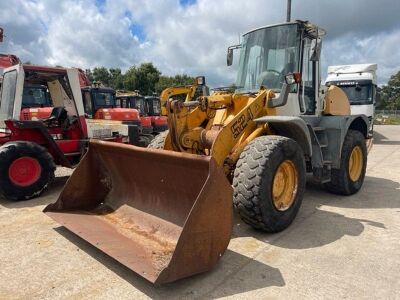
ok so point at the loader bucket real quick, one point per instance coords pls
(163, 214)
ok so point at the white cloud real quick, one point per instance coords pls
(191, 39)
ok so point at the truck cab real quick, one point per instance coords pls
(359, 82)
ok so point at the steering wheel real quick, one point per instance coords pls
(273, 71)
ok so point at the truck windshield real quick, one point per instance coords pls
(266, 56)
(358, 93)
(104, 99)
(8, 95)
(35, 97)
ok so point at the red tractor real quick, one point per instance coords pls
(32, 147)
(149, 108)
(153, 110)
(101, 103)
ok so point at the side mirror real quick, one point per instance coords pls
(229, 57)
(315, 50)
(293, 78)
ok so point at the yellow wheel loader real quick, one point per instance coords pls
(166, 212)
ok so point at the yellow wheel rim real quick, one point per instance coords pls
(284, 186)
(355, 163)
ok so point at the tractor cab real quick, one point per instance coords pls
(36, 102)
(153, 109)
(33, 141)
(36, 96)
(25, 115)
(133, 100)
(97, 98)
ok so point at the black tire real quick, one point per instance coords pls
(146, 139)
(12, 151)
(158, 141)
(253, 180)
(341, 183)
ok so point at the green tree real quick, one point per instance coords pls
(103, 75)
(89, 74)
(142, 78)
(117, 78)
(389, 95)
(177, 80)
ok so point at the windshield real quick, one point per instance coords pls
(266, 56)
(104, 99)
(35, 97)
(358, 93)
(8, 95)
(156, 106)
(139, 105)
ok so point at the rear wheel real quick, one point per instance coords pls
(26, 170)
(269, 183)
(158, 141)
(353, 163)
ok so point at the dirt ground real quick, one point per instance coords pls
(338, 247)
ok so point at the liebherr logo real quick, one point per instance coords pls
(240, 124)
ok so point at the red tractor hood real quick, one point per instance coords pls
(159, 120)
(118, 114)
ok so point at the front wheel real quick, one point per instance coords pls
(26, 170)
(269, 182)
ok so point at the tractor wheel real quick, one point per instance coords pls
(26, 170)
(269, 183)
(353, 162)
(158, 141)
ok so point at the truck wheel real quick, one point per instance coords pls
(353, 162)
(158, 141)
(26, 170)
(269, 182)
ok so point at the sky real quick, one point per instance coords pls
(191, 36)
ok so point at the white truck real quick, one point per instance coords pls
(359, 83)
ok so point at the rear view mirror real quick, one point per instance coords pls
(229, 57)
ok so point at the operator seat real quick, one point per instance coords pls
(57, 118)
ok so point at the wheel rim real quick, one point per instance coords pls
(355, 163)
(24, 171)
(284, 186)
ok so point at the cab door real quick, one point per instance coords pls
(11, 93)
(307, 86)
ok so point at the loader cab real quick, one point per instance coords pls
(95, 98)
(269, 53)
